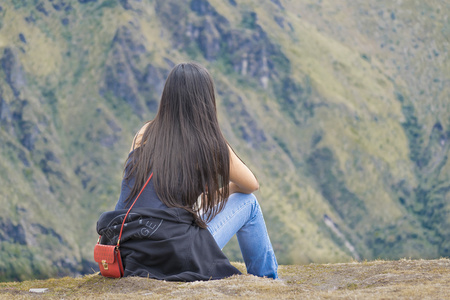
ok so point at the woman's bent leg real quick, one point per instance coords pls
(242, 216)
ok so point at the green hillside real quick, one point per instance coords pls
(341, 108)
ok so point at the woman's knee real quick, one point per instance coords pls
(244, 198)
(248, 200)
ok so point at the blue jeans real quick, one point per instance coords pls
(242, 216)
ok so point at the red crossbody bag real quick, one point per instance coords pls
(108, 256)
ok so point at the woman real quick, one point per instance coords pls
(197, 175)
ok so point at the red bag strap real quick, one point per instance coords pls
(124, 219)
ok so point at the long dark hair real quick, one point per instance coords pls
(184, 147)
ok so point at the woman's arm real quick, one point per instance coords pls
(242, 179)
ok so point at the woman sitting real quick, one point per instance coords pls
(199, 195)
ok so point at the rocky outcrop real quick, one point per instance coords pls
(12, 112)
(12, 233)
(5, 113)
(124, 76)
(247, 50)
(238, 112)
(14, 75)
(323, 167)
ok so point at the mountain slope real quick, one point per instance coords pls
(340, 109)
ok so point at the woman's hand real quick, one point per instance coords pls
(242, 179)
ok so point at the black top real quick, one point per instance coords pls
(148, 198)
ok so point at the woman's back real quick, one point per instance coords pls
(184, 147)
(149, 198)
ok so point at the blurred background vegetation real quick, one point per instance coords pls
(341, 108)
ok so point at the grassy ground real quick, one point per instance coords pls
(408, 279)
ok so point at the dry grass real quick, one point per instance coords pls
(403, 279)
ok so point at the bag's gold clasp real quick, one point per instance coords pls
(105, 264)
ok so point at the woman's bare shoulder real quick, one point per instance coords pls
(137, 141)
